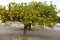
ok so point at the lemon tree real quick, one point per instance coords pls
(30, 14)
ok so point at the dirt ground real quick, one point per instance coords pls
(14, 33)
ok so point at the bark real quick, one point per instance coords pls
(25, 29)
(29, 26)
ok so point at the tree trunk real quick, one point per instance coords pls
(25, 29)
(29, 26)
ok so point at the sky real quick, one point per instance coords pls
(6, 2)
(55, 2)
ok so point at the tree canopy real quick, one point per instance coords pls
(30, 13)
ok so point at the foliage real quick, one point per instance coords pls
(59, 20)
(30, 13)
